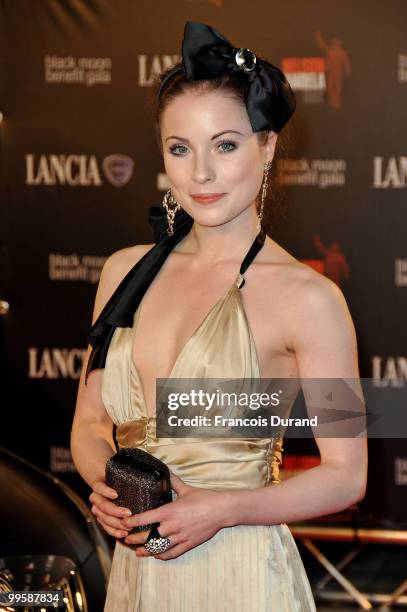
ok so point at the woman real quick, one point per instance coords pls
(219, 298)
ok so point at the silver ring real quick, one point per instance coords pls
(155, 543)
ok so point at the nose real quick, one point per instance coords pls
(203, 170)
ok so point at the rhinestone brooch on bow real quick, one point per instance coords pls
(245, 59)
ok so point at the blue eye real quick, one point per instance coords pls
(175, 147)
(228, 142)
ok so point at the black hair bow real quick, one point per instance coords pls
(207, 54)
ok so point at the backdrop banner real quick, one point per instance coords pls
(80, 166)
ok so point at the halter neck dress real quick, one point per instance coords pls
(251, 568)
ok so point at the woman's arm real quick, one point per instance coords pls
(334, 485)
(325, 344)
(92, 429)
(91, 436)
(92, 441)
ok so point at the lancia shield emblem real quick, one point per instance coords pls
(118, 169)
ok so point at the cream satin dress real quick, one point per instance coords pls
(251, 568)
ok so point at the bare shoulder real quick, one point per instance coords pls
(316, 293)
(321, 315)
(310, 289)
(306, 300)
(319, 325)
(314, 290)
(115, 268)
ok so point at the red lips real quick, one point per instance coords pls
(206, 197)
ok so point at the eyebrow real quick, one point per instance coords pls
(213, 137)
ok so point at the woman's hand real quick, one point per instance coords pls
(194, 517)
(107, 513)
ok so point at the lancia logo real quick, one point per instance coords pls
(118, 169)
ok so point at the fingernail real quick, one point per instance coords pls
(126, 512)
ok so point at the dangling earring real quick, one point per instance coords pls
(267, 167)
(171, 206)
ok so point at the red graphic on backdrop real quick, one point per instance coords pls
(319, 76)
(338, 66)
(335, 265)
(305, 74)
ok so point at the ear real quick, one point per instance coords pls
(270, 145)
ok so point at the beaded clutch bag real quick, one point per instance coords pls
(141, 480)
